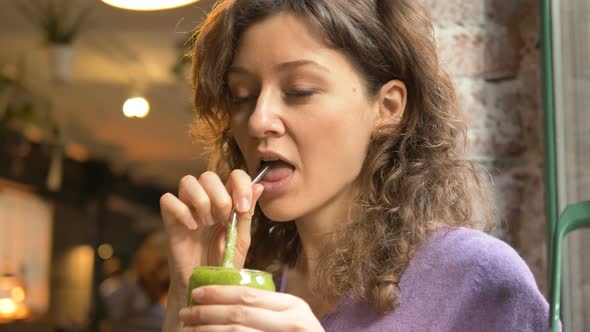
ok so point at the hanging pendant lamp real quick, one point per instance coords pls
(148, 4)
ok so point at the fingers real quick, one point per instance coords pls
(210, 201)
(192, 193)
(207, 201)
(240, 306)
(239, 185)
(244, 224)
(220, 202)
(237, 193)
(174, 211)
(247, 296)
(219, 328)
(243, 316)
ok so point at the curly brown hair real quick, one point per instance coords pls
(413, 179)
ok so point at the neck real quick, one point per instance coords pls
(317, 232)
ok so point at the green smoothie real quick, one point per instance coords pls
(218, 275)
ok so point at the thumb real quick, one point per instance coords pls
(244, 224)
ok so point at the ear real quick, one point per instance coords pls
(392, 100)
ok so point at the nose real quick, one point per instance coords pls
(265, 121)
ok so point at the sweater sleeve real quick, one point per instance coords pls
(503, 294)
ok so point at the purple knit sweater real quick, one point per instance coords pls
(459, 280)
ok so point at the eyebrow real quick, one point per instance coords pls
(281, 67)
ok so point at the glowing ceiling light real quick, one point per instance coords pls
(148, 4)
(136, 107)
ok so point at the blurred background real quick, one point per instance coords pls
(95, 105)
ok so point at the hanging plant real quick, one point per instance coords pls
(60, 23)
(57, 20)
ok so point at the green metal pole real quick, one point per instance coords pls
(550, 168)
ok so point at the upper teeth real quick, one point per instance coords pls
(270, 159)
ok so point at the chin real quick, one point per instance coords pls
(279, 212)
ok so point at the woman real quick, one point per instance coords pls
(366, 216)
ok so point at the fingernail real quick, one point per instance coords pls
(244, 204)
(198, 293)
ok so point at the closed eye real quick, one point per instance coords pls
(297, 94)
(300, 93)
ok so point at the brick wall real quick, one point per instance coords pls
(490, 48)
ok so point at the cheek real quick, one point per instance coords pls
(337, 140)
(349, 125)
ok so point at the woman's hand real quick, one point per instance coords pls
(240, 308)
(195, 223)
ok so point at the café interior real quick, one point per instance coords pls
(96, 105)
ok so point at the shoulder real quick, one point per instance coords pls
(469, 247)
(460, 280)
(487, 263)
(494, 284)
(489, 259)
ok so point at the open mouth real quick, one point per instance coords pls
(274, 163)
(280, 169)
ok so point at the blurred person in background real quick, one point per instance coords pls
(135, 300)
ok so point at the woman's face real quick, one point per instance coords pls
(295, 99)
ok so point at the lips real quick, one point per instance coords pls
(278, 178)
